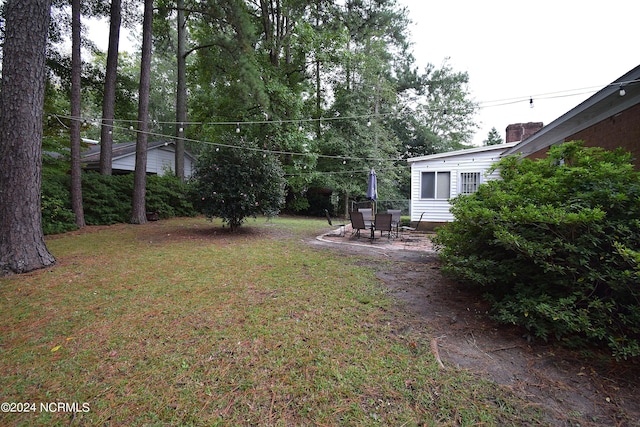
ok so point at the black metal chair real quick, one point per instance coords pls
(382, 223)
(357, 223)
(339, 226)
(395, 221)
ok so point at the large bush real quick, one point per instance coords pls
(107, 199)
(555, 245)
(233, 184)
(168, 196)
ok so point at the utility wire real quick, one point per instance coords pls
(238, 124)
(338, 117)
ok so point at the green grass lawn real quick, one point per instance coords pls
(180, 323)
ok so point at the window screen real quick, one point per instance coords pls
(443, 185)
(435, 185)
(428, 190)
(469, 182)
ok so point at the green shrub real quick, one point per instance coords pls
(168, 196)
(107, 199)
(57, 216)
(234, 184)
(554, 244)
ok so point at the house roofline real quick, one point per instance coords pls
(127, 149)
(473, 150)
(603, 104)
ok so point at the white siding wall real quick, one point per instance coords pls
(188, 166)
(437, 210)
(127, 163)
(159, 160)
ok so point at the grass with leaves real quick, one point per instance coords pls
(180, 322)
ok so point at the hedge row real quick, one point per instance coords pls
(107, 199)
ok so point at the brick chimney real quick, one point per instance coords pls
(521, 131)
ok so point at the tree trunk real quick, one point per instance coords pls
(138, 211)
(318, 82)
(109, 99)
(76, 112)
(346, 204)
(22, 246)
(181, 92)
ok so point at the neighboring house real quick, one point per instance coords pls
(160, 158)
(439, 177)
(609, 119)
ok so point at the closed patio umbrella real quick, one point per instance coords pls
(372, 189)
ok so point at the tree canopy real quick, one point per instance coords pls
(326, 90)
(337, 82)
(493, 137)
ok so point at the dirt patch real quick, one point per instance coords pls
(571, 389)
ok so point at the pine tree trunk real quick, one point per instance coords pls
(109, 99)
(138, 211)
(318, 83)
(22, 246)
(181, 92)
(76, 112)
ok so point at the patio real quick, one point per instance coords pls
(409, 241)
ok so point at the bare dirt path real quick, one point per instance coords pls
(571, 389)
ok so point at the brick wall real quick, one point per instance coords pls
(520, 131)
(619, 131)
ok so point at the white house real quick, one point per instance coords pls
(439, 177)
(160, 158)
(609, 119)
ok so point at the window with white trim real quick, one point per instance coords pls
(435, 185)
(469, 182)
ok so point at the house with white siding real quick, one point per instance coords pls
(609, 119)
(160, 158)
(437, 178)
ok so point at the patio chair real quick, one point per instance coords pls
(395, 220)
(410, 229)
(357, 223)
(383, 224)
(339, 226)
(367, 215)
